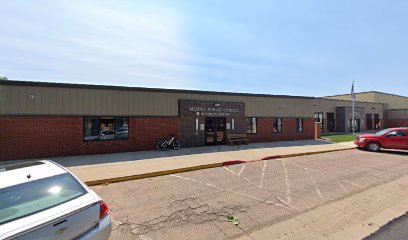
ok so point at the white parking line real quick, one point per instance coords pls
(288, 193)
(315, 185)
(262, 175)
(222, 189)
(354, 184)
(229, 170)
(284, 203)
(342, 187)
(242, 169)
(307, 170)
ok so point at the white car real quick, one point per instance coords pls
(43, 200)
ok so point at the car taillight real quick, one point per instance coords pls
(103, 210)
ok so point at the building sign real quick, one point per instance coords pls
(195, 115)
(213, 111)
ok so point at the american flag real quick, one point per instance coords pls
(353, 95)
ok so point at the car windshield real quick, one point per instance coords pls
(381, 132)
(28, 198)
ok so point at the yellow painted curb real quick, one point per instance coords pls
(152, 174)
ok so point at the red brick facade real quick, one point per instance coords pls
(55, 136)
(265, 130)
(397, 123)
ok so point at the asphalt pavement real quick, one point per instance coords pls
(196, 205)
(395, 230)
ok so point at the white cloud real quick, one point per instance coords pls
(95, 42)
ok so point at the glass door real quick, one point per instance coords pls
(214, 131)
(356, 125)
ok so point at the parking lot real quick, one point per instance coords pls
(195, 205)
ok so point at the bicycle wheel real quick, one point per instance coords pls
(176, 145)
(161, 145)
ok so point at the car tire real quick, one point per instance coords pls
(373, 147)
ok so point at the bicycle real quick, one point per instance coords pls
(164, 144)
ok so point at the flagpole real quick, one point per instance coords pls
(352, 123)
(353, 105)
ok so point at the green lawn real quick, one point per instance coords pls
(341, 137)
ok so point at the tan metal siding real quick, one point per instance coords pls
(78, 101)
(328, 105)
(398, 114)
(394, 102)
(364, 97)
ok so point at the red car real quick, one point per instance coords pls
(396, 138)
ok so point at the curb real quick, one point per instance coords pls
(201, 167)
(152, 174)
(233, 162)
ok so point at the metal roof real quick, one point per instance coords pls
(124, 88)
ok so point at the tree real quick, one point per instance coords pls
(3, 78)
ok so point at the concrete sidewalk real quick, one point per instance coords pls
(117, 167)
(94, 174)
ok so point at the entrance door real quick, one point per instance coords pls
(214, 131)
(377, 124)
(369, 121)
(356, 125)
(330, 122)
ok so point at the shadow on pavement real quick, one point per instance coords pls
(81, 160)
(395, 152)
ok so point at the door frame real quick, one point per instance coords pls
(215, 119)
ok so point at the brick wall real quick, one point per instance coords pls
(53, 136)
(397, 123)
(265, 130)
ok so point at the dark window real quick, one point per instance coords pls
(91, 128)
(251, 125)
(330, 122)
(299, 124)
(277, 125)
(397, 134)
(377, 122)
(369, 122)
(121, 128)
(106, 128)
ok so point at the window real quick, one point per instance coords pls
(377, 121)
(277, 125)
(299, 124)
(251, 125)
(106, 128)
(397, 134)
(121, 128)
(318, 117)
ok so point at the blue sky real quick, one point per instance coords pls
(311, 48)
